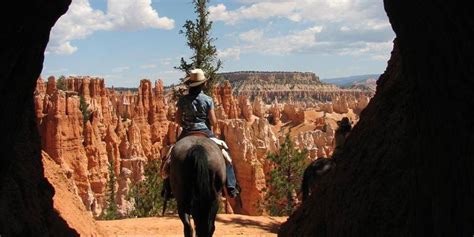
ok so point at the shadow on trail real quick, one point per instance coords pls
(271, 227)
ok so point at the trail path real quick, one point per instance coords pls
(226, 225)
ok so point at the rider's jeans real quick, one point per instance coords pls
(231, 182)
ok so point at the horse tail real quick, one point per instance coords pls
(196, 167)
(199, 186)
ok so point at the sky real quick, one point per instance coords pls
(125, 41)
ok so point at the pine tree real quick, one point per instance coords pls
(147, 194)
(199, 40)
(84, 107)
(111, 212)
(61, 83)
(285, 178)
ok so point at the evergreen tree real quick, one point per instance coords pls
(61, 83)
(285, 178)
(147, 194)
(111, 212)
(199, 40)
(84, 107)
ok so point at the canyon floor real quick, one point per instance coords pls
(226, 225)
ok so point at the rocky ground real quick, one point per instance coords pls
(226, 225)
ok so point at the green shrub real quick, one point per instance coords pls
(285, 178)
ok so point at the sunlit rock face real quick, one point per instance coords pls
(128, 129)
(249, 144)
(88, 126)
(401, 172)
(285, 86)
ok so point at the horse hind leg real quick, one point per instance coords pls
(185, 218)
(214, 210)
(215, 203)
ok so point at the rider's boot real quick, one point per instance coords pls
(231, 183)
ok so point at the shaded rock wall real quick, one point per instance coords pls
(26, 204)
(407, 167)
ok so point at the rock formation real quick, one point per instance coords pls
(85, 146)
(285, 86)
(402, 144)
(132, 128)
(66, 201)
(249, 145)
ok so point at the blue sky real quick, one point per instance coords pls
(125, 41)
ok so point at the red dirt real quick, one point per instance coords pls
(226, 225)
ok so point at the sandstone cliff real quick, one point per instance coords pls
(285, 86)
(67, 201)
(127, 128)
(88, 126)
(398, 147)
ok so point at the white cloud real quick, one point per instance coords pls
(255, 41)
(64, 48)
(351, 27)
(81, 20)
(306, 41)
(229, 53)
(366, 48)
(360, 14)
(261, 10)
(251, 35)
(291, 43)
(136, 14)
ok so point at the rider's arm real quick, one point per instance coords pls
(212, 118)
(177, 117)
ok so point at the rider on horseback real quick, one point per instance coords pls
(196, 114)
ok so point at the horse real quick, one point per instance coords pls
(197, 174)
(313, 173)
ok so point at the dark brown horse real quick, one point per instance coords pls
(197, 173)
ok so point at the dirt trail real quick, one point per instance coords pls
(226, 225)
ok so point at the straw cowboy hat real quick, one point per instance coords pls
(196, 77)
